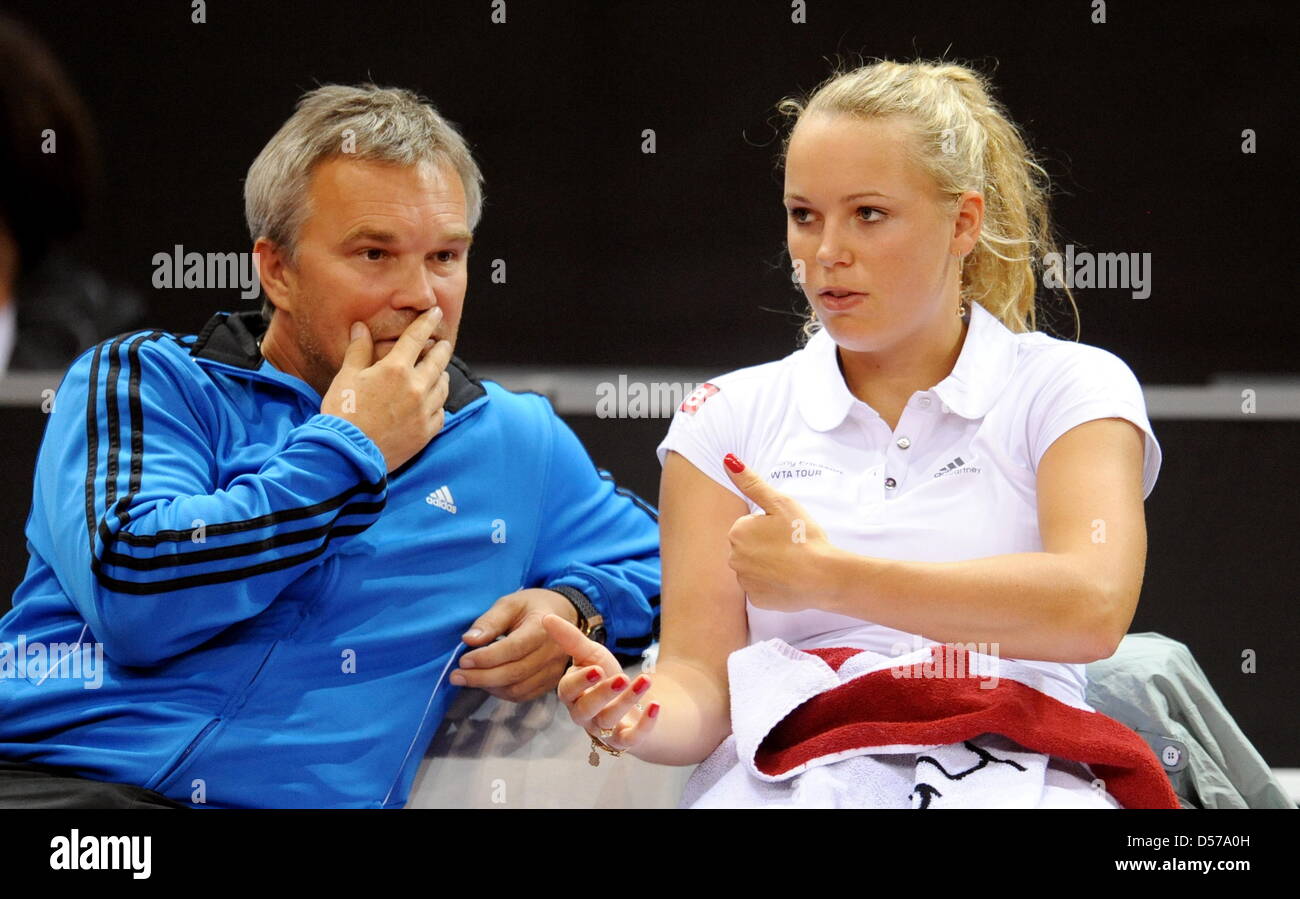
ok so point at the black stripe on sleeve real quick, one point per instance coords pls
(136, 413)
(220, 577)
(623, 491)
(114, 423)
(92, 444)
(136, 420)
(283, 538)
(250, 524)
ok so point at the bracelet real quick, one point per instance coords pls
(597, 743)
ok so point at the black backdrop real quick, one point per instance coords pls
(614, 256)
(619, 258)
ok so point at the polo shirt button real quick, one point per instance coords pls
(945, 408)
(890, 482)
(925, 402)
(904, 443)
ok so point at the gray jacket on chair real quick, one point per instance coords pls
(1153, 685)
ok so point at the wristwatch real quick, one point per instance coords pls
(590, 621)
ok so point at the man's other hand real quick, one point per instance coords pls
(527, 663)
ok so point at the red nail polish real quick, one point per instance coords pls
(642, 684)
(733, 463)
(618, 684)
(653, 711)
(593, 675)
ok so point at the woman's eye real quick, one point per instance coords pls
(869, 212)
(799, 214)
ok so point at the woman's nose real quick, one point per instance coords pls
(832, 250)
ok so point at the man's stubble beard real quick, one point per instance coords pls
(319, 371)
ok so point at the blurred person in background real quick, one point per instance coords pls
(51, 307)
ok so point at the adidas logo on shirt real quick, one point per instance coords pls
(442, 499)
(958, 464)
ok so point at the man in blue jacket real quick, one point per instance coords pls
(259, 553)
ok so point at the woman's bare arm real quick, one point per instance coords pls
(1072, 602)
(702, 616)
(702, 622)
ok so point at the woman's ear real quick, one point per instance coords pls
(969, 220)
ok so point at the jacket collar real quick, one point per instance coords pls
(230, 338)
(983, 370)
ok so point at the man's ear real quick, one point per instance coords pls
(276, 272)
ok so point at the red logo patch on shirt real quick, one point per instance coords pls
(695, 399)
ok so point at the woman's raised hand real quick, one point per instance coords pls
(597, 693)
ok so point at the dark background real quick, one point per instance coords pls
(617, 257)
(624, 259)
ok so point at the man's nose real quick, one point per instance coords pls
(417, 289)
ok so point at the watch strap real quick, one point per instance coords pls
(590, 621)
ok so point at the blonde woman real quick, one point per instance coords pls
(888, 556)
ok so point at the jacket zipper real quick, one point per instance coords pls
(176, 766)
(232, 708)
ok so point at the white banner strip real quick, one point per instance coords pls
(579, 391)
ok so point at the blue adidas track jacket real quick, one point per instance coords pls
(273, 609)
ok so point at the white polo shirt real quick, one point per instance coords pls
(955, 480)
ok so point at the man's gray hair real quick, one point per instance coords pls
(379, 124)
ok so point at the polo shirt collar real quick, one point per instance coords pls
(983, 370)
(820, 392)
(984, 367)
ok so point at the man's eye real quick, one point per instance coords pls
(374, 254)
(447, 256)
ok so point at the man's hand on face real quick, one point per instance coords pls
(527, 663)
(398, 400)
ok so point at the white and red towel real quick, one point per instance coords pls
(960, 729)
